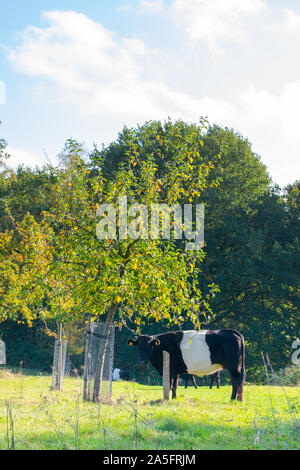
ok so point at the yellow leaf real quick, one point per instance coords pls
(135, 265)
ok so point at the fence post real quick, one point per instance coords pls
(166, 375)
(2, 353)
(87, 361)
(59, 361)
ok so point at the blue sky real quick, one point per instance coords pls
(84, 69)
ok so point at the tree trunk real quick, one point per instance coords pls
(86, 391)
(102, 352)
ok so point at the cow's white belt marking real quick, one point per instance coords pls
(196, 353)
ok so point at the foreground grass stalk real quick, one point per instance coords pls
(10, 428)
(58, 433)
(271, 400)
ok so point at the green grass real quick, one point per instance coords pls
(268, 418)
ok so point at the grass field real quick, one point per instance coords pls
(33, 417)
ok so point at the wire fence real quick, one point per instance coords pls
(59, 364)
(2, 353)
(94, 338)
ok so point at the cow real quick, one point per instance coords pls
(199, 353)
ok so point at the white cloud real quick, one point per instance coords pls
(19, 156)
(152, 5)
(213, 21)
(136, 46)
(95, 72)
(2, 92)
(72, 48)
(270, 121)
(290, 22)
(149, 6)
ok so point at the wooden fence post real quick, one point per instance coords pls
(60, 360)
(87, 360)
(166, 375)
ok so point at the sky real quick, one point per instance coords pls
(84, 69)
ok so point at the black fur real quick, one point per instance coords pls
(215, 378)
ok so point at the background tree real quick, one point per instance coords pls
(23, 191)
(252, 250)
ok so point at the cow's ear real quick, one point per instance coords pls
(155, 342)
(132, 342)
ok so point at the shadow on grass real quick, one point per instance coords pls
(6, 371)
(167, 433)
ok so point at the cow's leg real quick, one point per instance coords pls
(194, 381)
(174, 384)
(237, 387)
(171, 385)
(186, 378)
(211, 381)
(218, 379)
(234, 385)
(240, 393)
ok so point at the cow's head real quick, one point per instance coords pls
(145, 345)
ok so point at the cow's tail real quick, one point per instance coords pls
(241, 369)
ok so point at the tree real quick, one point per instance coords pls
(23, 191)
(254, 257)
(26, 191)
(24, 194)
(24, 258)
(3, 154)
(123, 279)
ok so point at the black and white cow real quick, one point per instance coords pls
(196, 352)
